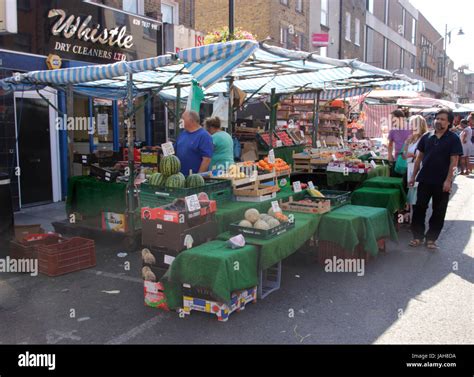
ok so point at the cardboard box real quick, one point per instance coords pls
(24, 230)
(115, 222)
(249, 151)
(161, 258)
(155, 296)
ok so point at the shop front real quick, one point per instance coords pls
(39, 130)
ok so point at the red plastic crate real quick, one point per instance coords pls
(68, 256)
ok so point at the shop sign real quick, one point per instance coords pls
(320, 39)
(53, 61)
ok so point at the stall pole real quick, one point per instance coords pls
(131, 155)
(177, 111)
(90, 104)
(148, 123)
(230, 129)
(315, 119)
(273, 113)
(231, 18)
(115, 125)
(70, 112)
(63, 144)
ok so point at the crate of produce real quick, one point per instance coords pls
(235, 228)
(70, 255)
(155, 296)
(158, 257)
(103, 174)
(296, 135)
(286, 140)
(256, 186)
(237, 303)
(27, 248)
(338, 198)
(269, 280)
(264, 139)
(307, 205)
(153, 273)
(219, 190)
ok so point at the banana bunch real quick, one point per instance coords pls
(315, 193)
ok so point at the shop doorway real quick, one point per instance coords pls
(37, 148)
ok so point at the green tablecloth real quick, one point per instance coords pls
(388, 182)
(388, 198)
(90, 197)
(351, 225)
(230, 212)
(338, 178)
(213, 266)
(278, 248)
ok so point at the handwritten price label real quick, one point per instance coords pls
(167, 148)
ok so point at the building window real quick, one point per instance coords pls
(369, 45)
(284, 36)
(402, 27)
(134, 6)
(169, 12)
(325, 12)
(284, 2)
(385, 53)
(348, 26)
(413, 31)
(299, 6)
(370, 6)
(357, 32)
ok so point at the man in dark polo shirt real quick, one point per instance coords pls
(439, 151)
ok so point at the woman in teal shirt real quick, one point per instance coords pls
(223, 155)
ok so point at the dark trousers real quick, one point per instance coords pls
(440, 204)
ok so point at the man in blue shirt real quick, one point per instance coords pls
(194, 146)
(439, 152)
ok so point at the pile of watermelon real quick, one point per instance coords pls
(171, 177)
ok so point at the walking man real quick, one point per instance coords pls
(439, 152)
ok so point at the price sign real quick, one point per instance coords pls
(374, 165)
(192, 203)
(167, 148)
(102, 124)
(188, 241)
(373, 154)
(302, 134)
(334, 158)
(276, 206)
(279, 143)
(311, 185)
(324, 144)
(253, 176)
(271, 156)
(297, 186)
(318, 143)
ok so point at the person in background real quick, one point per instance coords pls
(465, 137)
(223, 155)
(439, 152)
(470, 122)
(194, 146)
(419, 126)
(398, 134)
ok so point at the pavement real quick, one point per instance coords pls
(405, 296)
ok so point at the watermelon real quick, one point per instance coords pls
(160, 182)
(154, 179)
(194, 180)
(170, 165)
(176, 181)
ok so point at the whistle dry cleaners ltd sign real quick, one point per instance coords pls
(75, 28)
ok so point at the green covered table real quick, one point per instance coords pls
(214, 266)
(334, 178)
(278, 248)
(388, 198)
(387, 182)
(90, 197)
(351, 225)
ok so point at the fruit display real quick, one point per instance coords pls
(176, 181)
(253, 219)
(296, 135)
(194, 180)
(170, 165)
(265, 136)
(285, 138)
(279, 165)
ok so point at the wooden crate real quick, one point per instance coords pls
(321, 206)
(256, 186)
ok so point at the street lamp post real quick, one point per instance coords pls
(446, 33)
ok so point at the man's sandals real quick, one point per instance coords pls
(431, 245)
(415, 242)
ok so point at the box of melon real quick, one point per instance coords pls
(170, 184)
